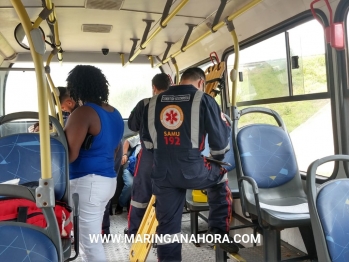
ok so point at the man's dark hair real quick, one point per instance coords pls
(88, 84)
(161, 81)
(63, 93)
(193, 74)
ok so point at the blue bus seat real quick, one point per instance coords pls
(20, 158)
(329, 213)
(24, 242)
(270, 185)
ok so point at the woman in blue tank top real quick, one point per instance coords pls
(92, 173)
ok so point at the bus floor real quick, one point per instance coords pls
(119, 251)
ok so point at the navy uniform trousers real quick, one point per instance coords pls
(170, 191)
(141, 190)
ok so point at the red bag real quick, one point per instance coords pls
(22, 210)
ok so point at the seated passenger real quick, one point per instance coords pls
(132, 145)
(68, 105)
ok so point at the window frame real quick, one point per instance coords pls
(342, 15)
(282, 28)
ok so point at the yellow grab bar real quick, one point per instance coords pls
(157, 30)
(45, 146)
(215, 28)
(53, 90)
(234, 72)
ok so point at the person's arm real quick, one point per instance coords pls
(125, 150)
(146, 138)
(216, 127)
(76, 130)
(117, 157)
(135, 118)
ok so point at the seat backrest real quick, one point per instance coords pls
(20, 156)
(229, 156)
(329, 212)
(265, 153)
(24, 242)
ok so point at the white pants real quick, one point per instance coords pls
(94, 193)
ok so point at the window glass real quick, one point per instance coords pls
(264, 69)
(308, 47)
(127, 85)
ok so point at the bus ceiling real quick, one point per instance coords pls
(155, 30)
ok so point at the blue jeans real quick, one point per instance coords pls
(125, 196)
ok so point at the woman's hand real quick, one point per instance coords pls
(124, 159)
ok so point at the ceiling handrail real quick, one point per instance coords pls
(215, 28)
(162, 25)
(53, 24)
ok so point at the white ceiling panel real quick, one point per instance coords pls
(126, 24)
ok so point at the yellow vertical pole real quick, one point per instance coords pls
(45, 147)
(234, 72)
(53, 90)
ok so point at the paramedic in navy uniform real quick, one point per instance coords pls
(92, 173)
(175, 125)
(141, 188)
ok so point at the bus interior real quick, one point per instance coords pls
(260, 57)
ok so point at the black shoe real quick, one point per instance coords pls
(229, 246)
(126, 231)
(118, 210)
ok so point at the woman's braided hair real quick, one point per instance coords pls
(88, 84)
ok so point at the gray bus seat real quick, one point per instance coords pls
(20, 158)
(24, 242)
(270, 185)
(329, 212)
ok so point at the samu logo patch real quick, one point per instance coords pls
(171, 117)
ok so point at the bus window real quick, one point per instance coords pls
(21, 90)
(310, 76)
(268, 83)
(127, 85)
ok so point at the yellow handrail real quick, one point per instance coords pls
(151, 59)
(215, 28)
(53, 90)
(50, 101)
(157, 30)
(49, 6)
(233, 76)
(53, 20)
(122, 57)
(45, 146)
(174, 62)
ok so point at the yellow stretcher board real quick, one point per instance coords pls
(213, 76)
(139, 250)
